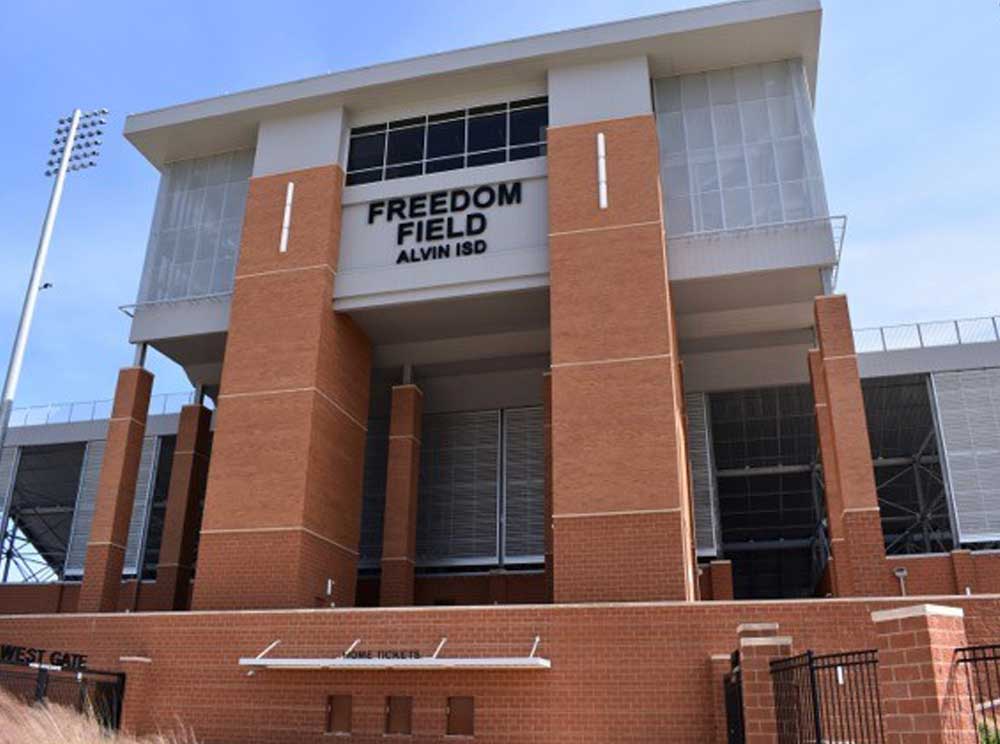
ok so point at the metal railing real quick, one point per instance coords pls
(924, 335)
(832, 698)
(130, 310)
(732, 690)
(99, 694)
(92, 410)
(982, 672)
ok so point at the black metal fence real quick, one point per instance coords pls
(982, 671)
(732, 686)
(98, 692)
(832, 698)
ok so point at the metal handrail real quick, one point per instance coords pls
(92, 410)
(985, 329)
(838, 223)
(129, 310)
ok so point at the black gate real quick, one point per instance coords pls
(982, 672)
(828, 698)
(732, 685)
(99, 692)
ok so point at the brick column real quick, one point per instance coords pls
(283, 506)
(924, 692)
(719, 666)
(102, 573)
(759, 645)
(720, 575)
(399, 532)
(860, 565)
(188, 478)
(839, 584)
(138, 709)
(547, 444)
(621, 500)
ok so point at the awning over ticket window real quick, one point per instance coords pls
(355, 660)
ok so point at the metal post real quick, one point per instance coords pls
(817, 723)
(7, 552)
(41, 684)
(31, 296)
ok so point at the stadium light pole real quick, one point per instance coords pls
(76, 147)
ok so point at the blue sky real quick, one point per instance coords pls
(908, 119)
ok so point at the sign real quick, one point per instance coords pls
(443, 224)
(26, 656)
(383, 653)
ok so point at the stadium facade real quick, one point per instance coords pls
(524, 396)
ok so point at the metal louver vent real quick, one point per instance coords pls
(705, 493)
(968, 414)
(373, 494)
(457, 511)
(83, 513)
(524, 486)
(140, 506)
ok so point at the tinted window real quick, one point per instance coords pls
(366, 152)
(487, 132)
(527, 126)
(446, 138)
(448, 141)
(405, 146)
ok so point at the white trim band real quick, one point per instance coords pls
(618, 360)
(767, 641)
(254, 274)
(922, 610)
(628, 513)
(135, 659)
(246, 530)
(647, 223)
(751, 627)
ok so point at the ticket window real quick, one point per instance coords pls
(339, 714)
(461, 716)
(398, 715)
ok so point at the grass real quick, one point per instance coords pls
(988, 734)
(55, 724)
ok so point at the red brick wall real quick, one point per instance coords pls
(625, 672)
(948, 573)
(928, 575)
(474, 589)
(26, 599)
